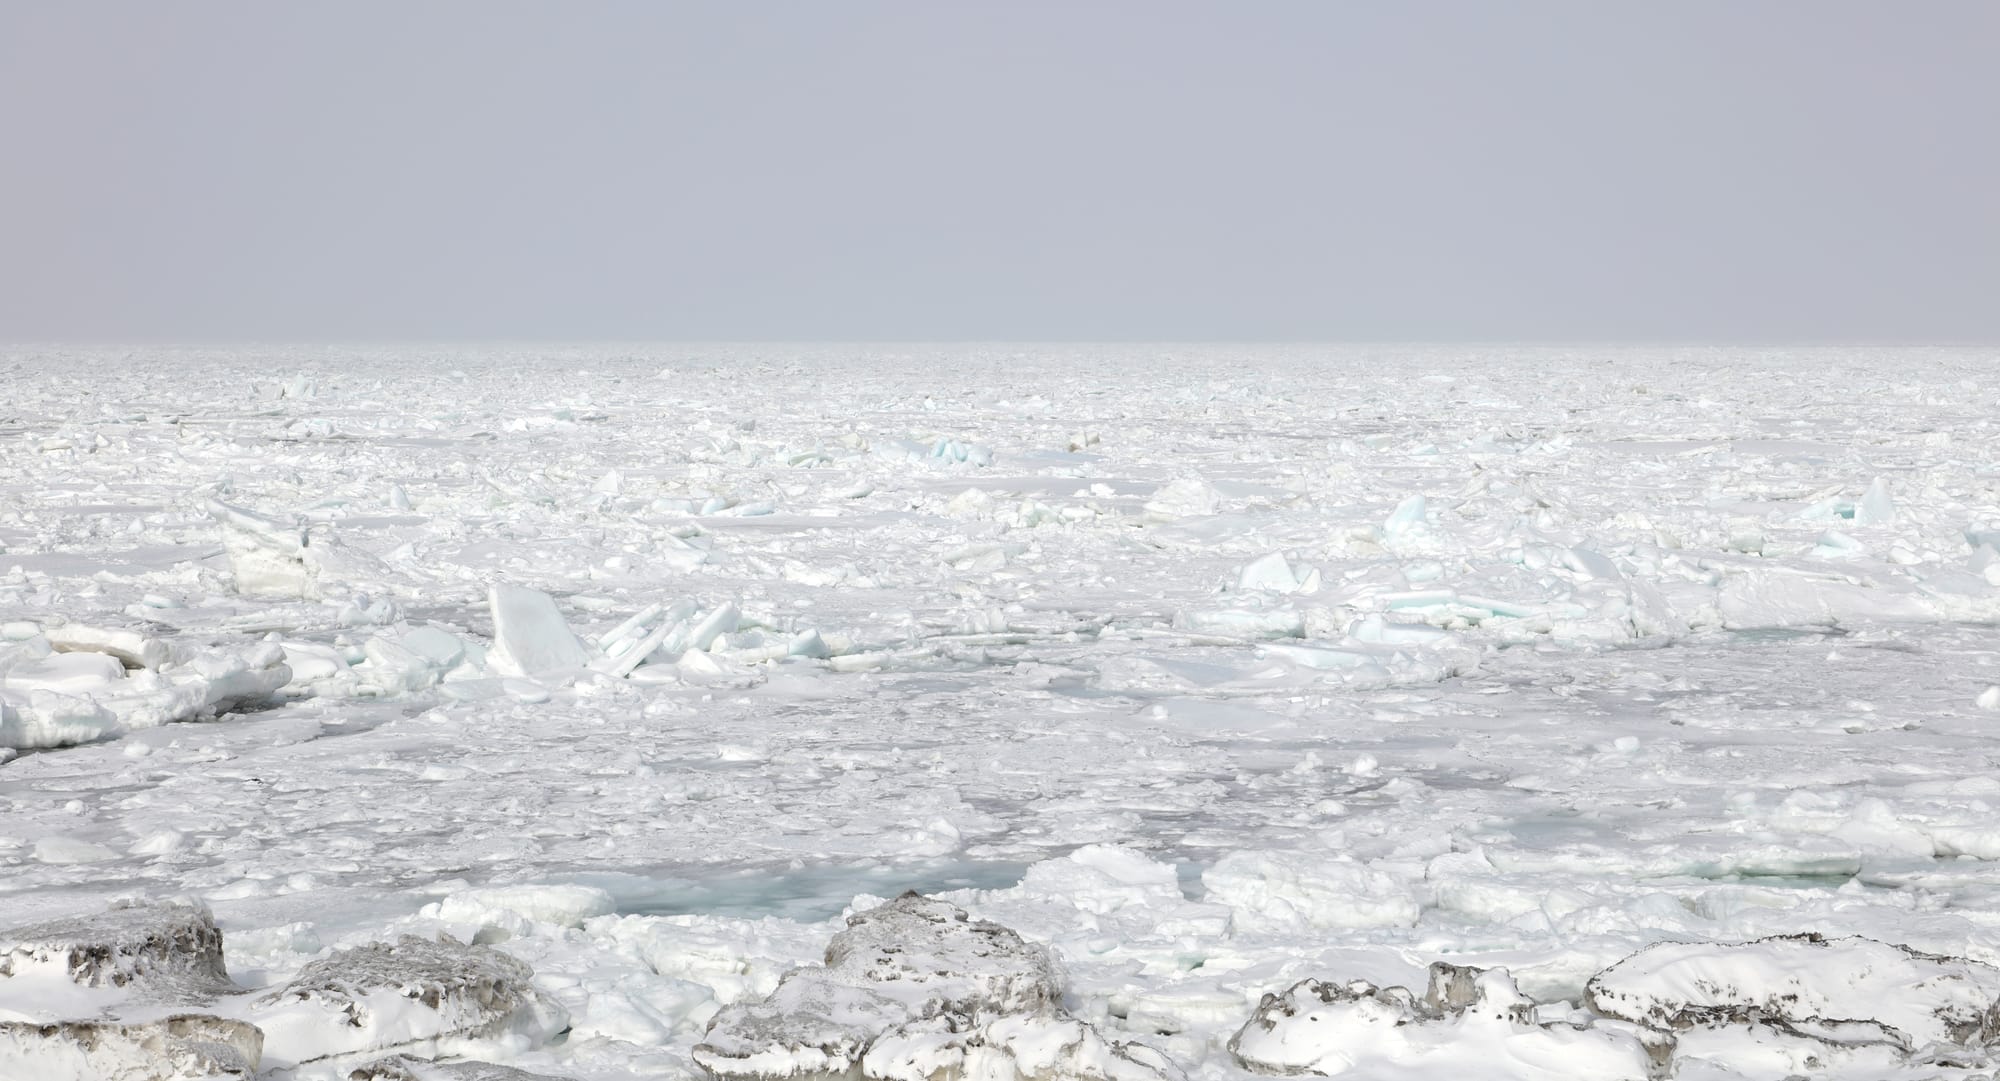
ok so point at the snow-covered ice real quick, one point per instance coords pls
(1232, 680)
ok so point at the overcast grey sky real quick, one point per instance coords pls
(1739, 171)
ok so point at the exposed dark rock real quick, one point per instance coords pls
(164, 951)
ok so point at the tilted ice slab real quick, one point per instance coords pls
(1911, 998)
(1469, 1023)
(417, 995)
(914, 990)
(106, 997)
(530, 636)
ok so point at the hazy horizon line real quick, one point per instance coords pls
(1465, 343)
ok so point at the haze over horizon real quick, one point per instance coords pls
(1552, 172)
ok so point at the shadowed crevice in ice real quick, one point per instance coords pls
(913, 990)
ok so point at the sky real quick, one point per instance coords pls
(1602, 170)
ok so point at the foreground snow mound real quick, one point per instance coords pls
(913, 990)
(1471, 1022)
(417, 995)
(158, 950)
(405, 1068)
(185, 1047)
(1839, 993)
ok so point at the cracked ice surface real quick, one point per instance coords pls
(1211, 670)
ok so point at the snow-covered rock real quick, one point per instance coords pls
(1806, 982)
(183, 1047)
(109, 997)
(914, 990)
(163, 950)
(1470, 1022)
(417, 995)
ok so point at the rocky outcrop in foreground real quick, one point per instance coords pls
(429, 996)
(1775, 1007)
(913, 990)
(140, 993)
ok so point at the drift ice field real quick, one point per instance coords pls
(1231, 711)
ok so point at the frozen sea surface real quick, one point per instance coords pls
(1211, 669)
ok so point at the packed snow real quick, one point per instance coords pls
(1060, 712)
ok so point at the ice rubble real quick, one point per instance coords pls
(1271, 894)
(497, 912)
(70, 684)
(278, 559)
(66, 682)
(914, 990)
